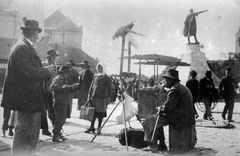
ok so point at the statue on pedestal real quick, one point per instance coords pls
(190, 25)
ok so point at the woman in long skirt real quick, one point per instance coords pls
(99, 95)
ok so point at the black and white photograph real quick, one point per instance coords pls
(119, 77)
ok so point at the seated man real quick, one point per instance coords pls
(177, 110)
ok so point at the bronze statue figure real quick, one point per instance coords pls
(190, 25)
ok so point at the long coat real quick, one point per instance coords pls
(101, 87)
(207, 87)
(24, 88)
(178, 106)
(178, 110)
(99, 91)
(60, 90)
(84, 84)
(193, 86)
(86, 79)
(190, 25)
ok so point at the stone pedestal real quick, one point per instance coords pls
(198, 62)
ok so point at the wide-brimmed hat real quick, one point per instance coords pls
(31, 24)
(64, 69)
(208, 73)
(172, 73)
(51, 52)
(70, 62)
(84, 62)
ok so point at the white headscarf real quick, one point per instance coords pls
(104, 68)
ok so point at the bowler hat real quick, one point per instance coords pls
(193, 73)
(228, 69)
(209, 73)
(84, 62)
(70, 62)
(31, 24)
(64, 69)
(172, 73)
(51, 52)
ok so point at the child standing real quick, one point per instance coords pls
(60, 101)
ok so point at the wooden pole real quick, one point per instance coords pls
(139, 76)
(122, 54)
(63, 35)
(140, 68)
(157, 74)
(129, 56)
(55, 46)
(124, 119)
(154, 70)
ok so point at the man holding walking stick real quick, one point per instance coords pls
(177, 111)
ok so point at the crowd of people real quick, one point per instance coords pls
(35, 91)
(205, 90)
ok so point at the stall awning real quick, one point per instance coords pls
(154, 59)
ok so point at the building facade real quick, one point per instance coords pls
(61, 30)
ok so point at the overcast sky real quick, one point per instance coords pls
(161, 21)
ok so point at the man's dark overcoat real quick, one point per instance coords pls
(84, 84)
(24, 80)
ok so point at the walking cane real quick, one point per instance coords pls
(158, 115)
(155, 127)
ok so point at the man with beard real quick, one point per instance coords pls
(24, 89)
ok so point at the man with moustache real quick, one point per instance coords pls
(24, 89)
(177, 110)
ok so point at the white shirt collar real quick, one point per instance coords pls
(29, 41)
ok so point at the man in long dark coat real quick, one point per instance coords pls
(84, 83)
(24, 89)
(51, 65)
(193, 86)
(207, 92)
(177, 110)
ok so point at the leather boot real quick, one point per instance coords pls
(62, 137)
(4, 135)
(10, 133)
(89, 130)
(162, 147)
(154, 147)
(56, 138)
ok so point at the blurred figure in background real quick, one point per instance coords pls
(52, 68)
(207, 89)
(84, 83)
(193, 86)
(227, 88)
(72, 78)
